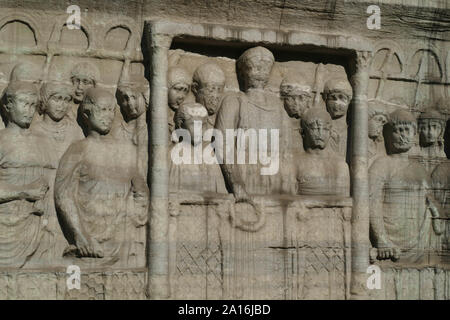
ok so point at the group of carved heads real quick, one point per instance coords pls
(400, 128)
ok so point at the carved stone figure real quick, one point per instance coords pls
(403, 211)
(297, 97)
(254, 108)
(337, 94)
(60, 131)
(208, 83)
(55, 104)
(440, 179)
(377, 120)
(83, 76)
(431, 125)
(133, 99)
(320, 171)
(24, 178)
(98, 191)
(191, 176)
(178, 86)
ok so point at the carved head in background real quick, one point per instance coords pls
(133, 99)
(296, 95)
(84, 75)
(178, 85)
(316, 126)
(19, 102)
(55, 100)
(337, 94)
(400, 131)
(377, 119)
(98, 109)
(187, 115)
(26, 71)
(254, 67)
(208, 83)
(431, 126)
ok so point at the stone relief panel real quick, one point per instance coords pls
(74, 162)
(45, 75)
(244, 241)
(412, 176)
(288, 94)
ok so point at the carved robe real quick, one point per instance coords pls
(441, 187)
(60, 136)
(324, 174)
(93, 182)
(375, 150)
(398, 190)
(238, 112)
(23, 160)
(338, 141)
(195, 177)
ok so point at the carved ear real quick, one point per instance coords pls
(194, 88)
(7, 105)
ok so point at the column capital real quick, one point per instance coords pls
(363, 60)
(159, 40)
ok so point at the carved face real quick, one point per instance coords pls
(376, 124)
(429, 131)
(57, 106)
(101, 116)
(256, 72)
(402, 137)
(296, 104)
(317, 134)
(337, 104)
(177, 93)
(80, 85)
(209, 95)
(131, 103)
(21, 109)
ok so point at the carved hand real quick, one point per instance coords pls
(36, 190)
(240, 194)
(88, 247)
(140, 189)
(388, 252)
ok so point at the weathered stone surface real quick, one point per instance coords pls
(287, 147)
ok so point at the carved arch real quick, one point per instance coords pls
(28, 21)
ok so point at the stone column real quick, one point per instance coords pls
(158, 243)
(360, 177)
